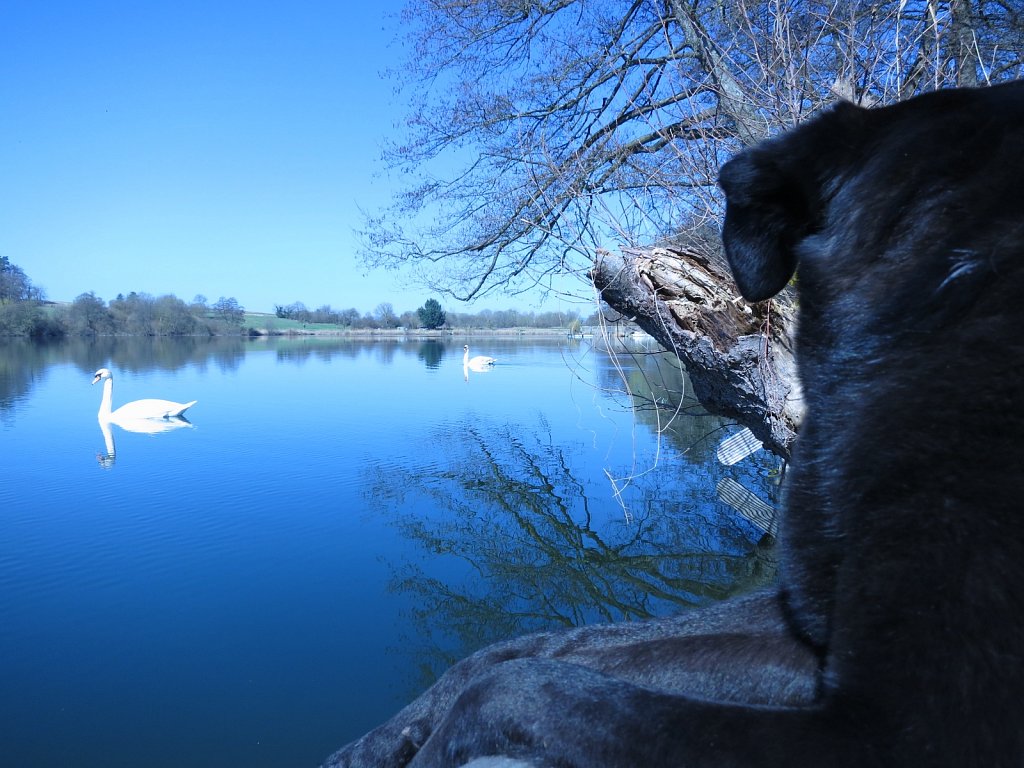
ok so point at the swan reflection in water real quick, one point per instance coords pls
(149, 416)
(144, 426)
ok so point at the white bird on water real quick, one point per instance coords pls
(479, 362)
(138, 409)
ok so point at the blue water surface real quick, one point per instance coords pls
(341, 520)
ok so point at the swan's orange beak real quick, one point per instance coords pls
(95, 378)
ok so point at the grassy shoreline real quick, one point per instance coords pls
(265, 324)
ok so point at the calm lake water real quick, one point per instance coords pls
(341, 521)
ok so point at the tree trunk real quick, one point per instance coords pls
(739, 356)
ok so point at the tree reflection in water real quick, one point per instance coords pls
(530, 541)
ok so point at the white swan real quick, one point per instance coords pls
(138, 409)
(479, 362)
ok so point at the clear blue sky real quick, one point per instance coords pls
(215, 148)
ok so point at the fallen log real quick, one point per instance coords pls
(739, 356)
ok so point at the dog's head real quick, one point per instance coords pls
(905, 208)
(904, 226)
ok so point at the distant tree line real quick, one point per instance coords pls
(488, 319)
(24, 311)
(383, 316)
(20, 304)
(139, 314)
(432, 316)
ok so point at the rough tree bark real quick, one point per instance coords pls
(739, 356)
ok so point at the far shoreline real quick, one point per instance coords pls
(419, 333)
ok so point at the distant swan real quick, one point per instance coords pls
(138, 409)
(478, 362)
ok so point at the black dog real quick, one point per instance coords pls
(897, 636)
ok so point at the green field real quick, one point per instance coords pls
(267, 321)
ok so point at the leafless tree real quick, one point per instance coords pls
(541, 132)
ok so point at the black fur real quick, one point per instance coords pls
(897, 636)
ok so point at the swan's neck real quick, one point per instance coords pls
(465, 358)
(108, 395)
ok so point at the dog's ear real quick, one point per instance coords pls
(774, 199)
(766, 216)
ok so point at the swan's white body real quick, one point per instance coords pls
(479, 362)
(138, 410)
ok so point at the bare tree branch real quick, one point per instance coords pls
(541, 132)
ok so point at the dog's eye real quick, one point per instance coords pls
(962, 263)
